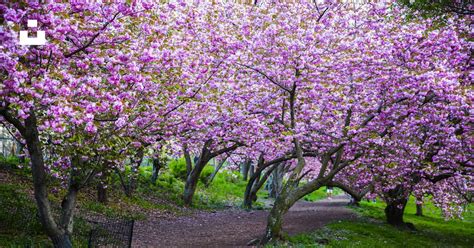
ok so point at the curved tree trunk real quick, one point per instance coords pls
(216, 170)
(248, 190)
(192, 180)
(193, 177)
(57, 233)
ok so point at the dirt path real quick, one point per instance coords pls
(234, 228)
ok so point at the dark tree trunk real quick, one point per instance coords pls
(59, 234)
(258, 184)
(192, 180)
(248, 190)
(419, 209)
(251, 171)
(396, 200)
(193, 177)
(156, 170)
(124, 184)
(203, 159)
(253, 180)
(394, 212)
(62, 241)
(276, 183)
(102, 188)
(245, 169)
(101, 193)
(214, 173)
(187, 158)
(135, 172)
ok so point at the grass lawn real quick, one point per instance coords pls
(371, 231)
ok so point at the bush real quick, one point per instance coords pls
(10, 161)
(178, 168)
(206, 173)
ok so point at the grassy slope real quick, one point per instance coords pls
(371, 231)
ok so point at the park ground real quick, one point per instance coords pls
(217, 220)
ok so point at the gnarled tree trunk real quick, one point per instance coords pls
(193, 177)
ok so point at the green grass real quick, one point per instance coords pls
(320, 194)
(370, 230)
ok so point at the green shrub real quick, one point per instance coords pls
(178, 168)
(206, 173)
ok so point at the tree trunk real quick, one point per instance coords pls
(102, 188)
(156, 170)
(277, 181)
(193, 177)
(135, 172)
(275, 220)
(289, 194)
(101, 193)
(187, 158)
(254, 178)
(62, 241)
(394, 212)
(56, 233)
(245, 169)
(192, 180)
(419, 209)
(216, 170)
(248, 190)
(251, 170)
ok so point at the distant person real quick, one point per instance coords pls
(329, 191)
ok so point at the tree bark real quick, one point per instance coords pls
(216, 170)
(251, 171)
(419, 209)
(396, 200)
(187, 158)
(135, 172)
(193, 177)
(156, 170)
(245, 169)
(287, 198)
(62, 241)
(277, 181)
(192, 180)
(57, 233)
(248, 190)
(203, 159)
(394, 212)
(101, 193)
